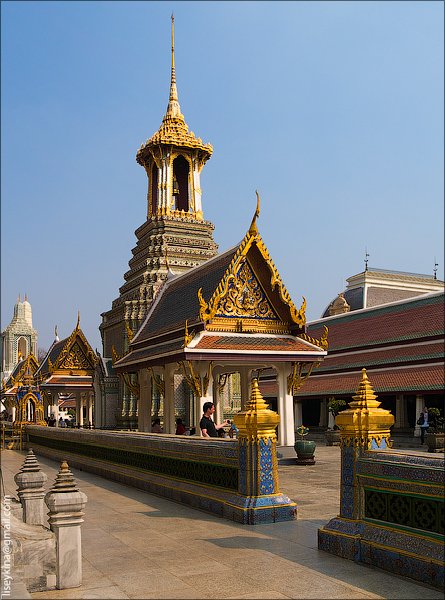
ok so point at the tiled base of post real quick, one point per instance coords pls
(251, 510)
(396, 551)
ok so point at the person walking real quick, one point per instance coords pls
(207, 425)
(424, 424)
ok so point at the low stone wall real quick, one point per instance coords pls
(202, 473)
(396, 514)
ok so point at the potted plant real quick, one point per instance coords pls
(435, 435)
(304, 448)
(335, 405)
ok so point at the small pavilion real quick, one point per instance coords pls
(68, 368)
(230, 314)
(21, 395)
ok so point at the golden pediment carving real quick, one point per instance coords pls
(75, 359)
(245, 297)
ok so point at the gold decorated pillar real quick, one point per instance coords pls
(363, 426)
(258, 464)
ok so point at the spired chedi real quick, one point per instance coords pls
(174, 236)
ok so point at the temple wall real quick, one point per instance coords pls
(202, 473)
(398, 501)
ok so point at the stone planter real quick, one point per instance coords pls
(435, 442)
(305, 452)
(332, 437)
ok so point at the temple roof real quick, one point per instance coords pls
(23, 369)
(72, 355)
(404, 321)
(232, 306)
(401, 344)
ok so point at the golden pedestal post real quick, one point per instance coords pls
(258, 464)
(363, 426)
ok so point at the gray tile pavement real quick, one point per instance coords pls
(136, 545)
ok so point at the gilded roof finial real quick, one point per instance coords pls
(78, 320)
(56, 336)
(253, 229)
(173, 108)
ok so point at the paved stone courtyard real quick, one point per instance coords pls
(136, 545)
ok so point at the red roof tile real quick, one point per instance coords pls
(273, 344)
(416, 378)
(414, 320)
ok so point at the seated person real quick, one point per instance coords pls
(180, 429)
(156, 426)
(208, 427)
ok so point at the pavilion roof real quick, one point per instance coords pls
(233, 305)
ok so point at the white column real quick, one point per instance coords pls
(89, 405)
(298, 413)
(197, 190)
(399, 412)
(55, 407)
(219, 413)
(245, 375)
(331, 421)
(79, 409)
(169, 399)
(145, 401)
(419, 408)
(202, 369)
(286, 429)
(323, 413)
(200, 403)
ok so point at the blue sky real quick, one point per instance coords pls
(332, 110)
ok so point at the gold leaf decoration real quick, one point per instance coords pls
(245, 297)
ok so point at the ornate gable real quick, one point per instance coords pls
(251, 296)
(76, 357)
(23, 373)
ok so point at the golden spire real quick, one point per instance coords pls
(173, 108)
(78, 320)
(253, 230)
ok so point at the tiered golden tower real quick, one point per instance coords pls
(175, 235)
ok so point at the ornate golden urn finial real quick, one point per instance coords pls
(364, 423)
(257, 421)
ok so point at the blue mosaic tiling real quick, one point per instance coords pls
(372, 481)
(401, 564)
(266, 467)
(342, 546)
(404, 540)
(397, 502)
